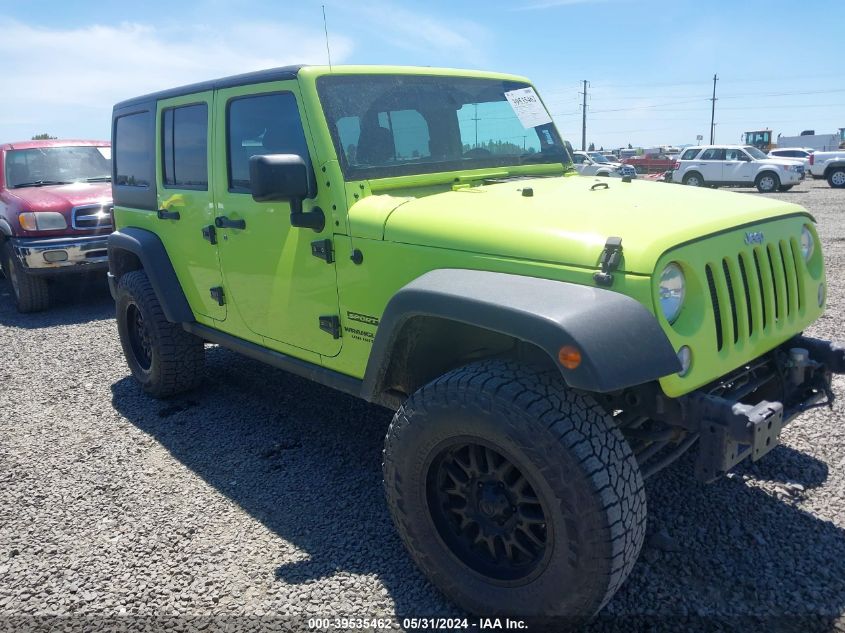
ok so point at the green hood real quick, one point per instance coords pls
(565, 221)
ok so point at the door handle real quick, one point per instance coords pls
(222, 222)
(164, 214)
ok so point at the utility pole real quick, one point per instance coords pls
(584, 119)
(713, 112)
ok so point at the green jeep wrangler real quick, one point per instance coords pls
(417, 237)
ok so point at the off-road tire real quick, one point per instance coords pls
(836, 178)
(693, 179)
(31, 293)
(564, 444)
(176, 358)
(785, 187)
(762, 182)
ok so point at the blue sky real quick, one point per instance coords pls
(650, 64)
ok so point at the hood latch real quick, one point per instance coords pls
(609, 261)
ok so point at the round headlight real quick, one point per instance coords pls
(808, 244)
(671, 291)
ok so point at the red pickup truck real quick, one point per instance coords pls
(650, 163)
(55, 214)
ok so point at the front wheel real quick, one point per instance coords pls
(767, 182)
(163, 358)
(31, 293)
(514, 495)
(836, 178)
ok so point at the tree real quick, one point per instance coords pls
(43, 137)
(629, 146)
(592, 147)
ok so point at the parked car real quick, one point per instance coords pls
(830, 166)
(795, 153)
(736, 166)
(597, 164)
(548, 342)
(55, 214)
(650, 163)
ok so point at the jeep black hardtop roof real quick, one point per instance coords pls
(271, 74)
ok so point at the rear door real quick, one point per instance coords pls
(185, 208)
(710, 164)
(278, 287)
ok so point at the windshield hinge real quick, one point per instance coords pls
(609, 261)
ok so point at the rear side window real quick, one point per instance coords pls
(690, 154)
(184, 145)
(133, 150)
(713, 154)
(264, 124)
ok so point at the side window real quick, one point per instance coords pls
(264, 124)
(184, 132)
(689, 154)
(578, 159)
(713, 154)
(133, 150)
(734, 154)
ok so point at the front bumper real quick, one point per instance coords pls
(741, 415)
(56, 255)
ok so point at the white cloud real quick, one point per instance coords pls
(460, 41)
(548, 4)
(64, 81)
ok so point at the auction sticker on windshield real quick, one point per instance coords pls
(528, 107)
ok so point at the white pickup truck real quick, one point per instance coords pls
(830, 166)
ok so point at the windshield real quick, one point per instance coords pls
(599, 158)
(57, 165)
(393, 125)
(756, 154)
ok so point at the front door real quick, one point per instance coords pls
(185, 200)
(738, 168)
(278, 287)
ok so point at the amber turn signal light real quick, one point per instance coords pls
(569, 356)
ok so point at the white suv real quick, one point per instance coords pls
(736, 166)
(597, 164)
(795, 153)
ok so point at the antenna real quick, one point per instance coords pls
(326, 29)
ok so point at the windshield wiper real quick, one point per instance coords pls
(99, 179)
(40, 183)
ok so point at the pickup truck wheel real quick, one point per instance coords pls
(163, 357)
(693, 179)
(767, 182)
(513, 494)
(836, 178)
(31, 293)
(785, 187)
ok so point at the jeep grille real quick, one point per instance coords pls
(91, 217)
(758, 291)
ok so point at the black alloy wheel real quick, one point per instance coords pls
(487, 512)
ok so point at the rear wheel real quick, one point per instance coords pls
(767, 182)
(693, 179)
(513, 494)
(163, 357)
(836, 178)
(31, 293)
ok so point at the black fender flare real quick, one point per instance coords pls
(147, 247)
(621, 342)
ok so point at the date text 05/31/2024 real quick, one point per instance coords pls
(418, 624)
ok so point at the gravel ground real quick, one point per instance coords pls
(256, 500)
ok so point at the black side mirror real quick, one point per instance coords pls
(285, 177)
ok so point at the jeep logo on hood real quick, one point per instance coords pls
(754, 237)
